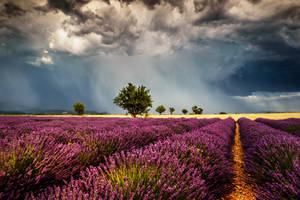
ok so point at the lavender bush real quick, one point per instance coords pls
(37, 152)
(272, 160)
(214, 142)
(182, 167)
(291, 125)
(150, 173)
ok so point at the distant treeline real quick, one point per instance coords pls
(49, 112)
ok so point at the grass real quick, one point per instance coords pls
(130, 177)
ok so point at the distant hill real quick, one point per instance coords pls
(11, 113)
(46, 112)
(5, 106)
(16, 109)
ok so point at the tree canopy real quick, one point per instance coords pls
(184, 111)
(197, 110)
(160, 109)
(171, 109)
(79, 108)
(135, 100)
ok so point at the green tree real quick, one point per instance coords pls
(79, 108)
(171, 109)
(184, 111)
(222, 113)
(197, 110)
(136, 100)
(160, 109)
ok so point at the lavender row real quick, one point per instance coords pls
(44, 156)
(291, 125)
(215, 143)
(193, 165)
(14, 127)
(272, 160)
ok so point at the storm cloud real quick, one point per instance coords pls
(133, 27)
(201, 50)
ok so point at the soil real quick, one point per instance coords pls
(242, 191)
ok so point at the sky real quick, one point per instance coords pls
(234, 56)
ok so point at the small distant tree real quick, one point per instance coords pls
(222, 113)
(171, 109)
(136, 100)
(160, 109)
(79, 108)
(184, 111)
(197, 110)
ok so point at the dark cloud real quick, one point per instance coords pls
(254, 1)
(72, 7)
(292, 14)
(200, 5)
(288, 17)
(151, 3)
(12, 10)
(214, 10)
(278, 35)
(263, 76)
(14, 42)
(69, 7)
(122, 29)
(215, 7)
(265, 36)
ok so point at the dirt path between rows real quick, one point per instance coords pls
(242, 190)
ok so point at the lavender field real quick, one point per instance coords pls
(151, 158)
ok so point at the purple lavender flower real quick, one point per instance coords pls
(272, 160)
(290, 125)
(37, 152)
